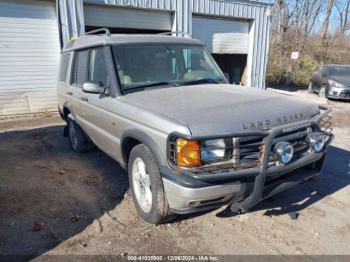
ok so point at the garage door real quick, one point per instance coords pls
(222, 36)
(100, 16)
(29, 54)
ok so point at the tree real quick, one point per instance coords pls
(343, 10)
(315, 28)
(325, 26)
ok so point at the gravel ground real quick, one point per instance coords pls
(54, 201)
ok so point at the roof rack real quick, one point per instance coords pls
(105, 30)
(176, 32)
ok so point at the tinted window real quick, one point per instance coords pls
(62, 76)
(325, 71)
(80, 68)
(341, 71)
(140, 65)
(97, 67)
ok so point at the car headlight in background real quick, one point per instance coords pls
(333, 83)
(284, 152)
(316, 141)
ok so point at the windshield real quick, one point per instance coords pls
(342, 71)
(156, 65)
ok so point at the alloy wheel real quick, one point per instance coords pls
(142, 185)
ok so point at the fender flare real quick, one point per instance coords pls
(146, 140)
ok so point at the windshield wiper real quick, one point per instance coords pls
(201, 81)
(143, 87)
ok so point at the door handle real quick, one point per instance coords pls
(84, 98)
(70, 93)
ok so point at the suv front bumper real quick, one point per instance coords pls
(187, 193)
(195, 197)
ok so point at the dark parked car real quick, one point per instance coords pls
(331, 81)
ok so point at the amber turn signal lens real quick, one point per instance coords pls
(188, 153)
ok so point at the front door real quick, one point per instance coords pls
(95, 110)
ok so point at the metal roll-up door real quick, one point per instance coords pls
(222, 36)
(29, 57)
(119, 17)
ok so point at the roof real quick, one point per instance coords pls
(86, 41)
(331, 65)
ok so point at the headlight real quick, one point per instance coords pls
(188, 153)
(316, 141)
(213, 150)
(333, 83)
(284, 152)
(192, 153)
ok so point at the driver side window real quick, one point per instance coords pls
(324, 71)
(97, 67)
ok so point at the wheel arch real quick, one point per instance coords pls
(134, 137)
(66, 111)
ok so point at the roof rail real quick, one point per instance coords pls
(105, 30)
(176, 32)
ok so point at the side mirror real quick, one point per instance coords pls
(94, 88)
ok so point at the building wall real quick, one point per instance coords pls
(71, 14)
(29, 57)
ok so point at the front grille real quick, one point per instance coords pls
(247, 152)
(345, 93)
(326, 125)
(242, 153)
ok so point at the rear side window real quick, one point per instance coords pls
(62, 76)
(80, 67)
(97, 67)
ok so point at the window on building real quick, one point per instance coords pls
(80, 67)
(62, 76)
(97, 67)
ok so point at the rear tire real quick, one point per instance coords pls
(147, 186)
(79, 141)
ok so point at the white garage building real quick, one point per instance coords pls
(33, 31)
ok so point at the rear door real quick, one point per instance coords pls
(78, 78)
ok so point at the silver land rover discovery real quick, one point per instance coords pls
(161, 107)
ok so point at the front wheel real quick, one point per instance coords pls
(147, 186)
(311, 90)
(322, 92)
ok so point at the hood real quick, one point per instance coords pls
(223, 109)
(344, 80)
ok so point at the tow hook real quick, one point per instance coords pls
(233, 209)
(236, 209)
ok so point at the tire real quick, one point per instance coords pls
(322, 92)
(311, 90)
(79, 141)
(147, 188)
